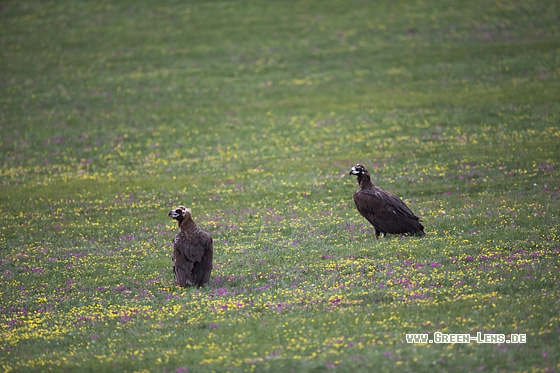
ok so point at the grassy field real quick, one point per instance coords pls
(252, 114)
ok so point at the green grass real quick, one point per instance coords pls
(252, 113)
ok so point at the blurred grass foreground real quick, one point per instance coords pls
(252, 114)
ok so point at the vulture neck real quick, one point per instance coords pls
(185, 224)
(365, 181)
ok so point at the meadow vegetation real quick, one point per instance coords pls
(252, 114)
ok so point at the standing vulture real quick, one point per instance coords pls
(192, 250)
(385, 211)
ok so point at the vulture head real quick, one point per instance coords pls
(180, 213)
(359, 170)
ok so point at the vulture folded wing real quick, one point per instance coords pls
(207, 262)
(196, 246)
(368, 204)
(386, 212)
(202, 269)
(181, 266)
(397, 220)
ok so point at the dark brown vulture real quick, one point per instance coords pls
(192, 250)
(385, 211)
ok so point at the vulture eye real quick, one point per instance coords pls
(178, 211)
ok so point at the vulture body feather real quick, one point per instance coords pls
(192, 250)
(385, 211)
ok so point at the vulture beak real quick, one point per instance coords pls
(173, 214)
(353, 171)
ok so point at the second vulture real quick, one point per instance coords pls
(385, 211)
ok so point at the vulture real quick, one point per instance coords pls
(385, 211)
(192, 250)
